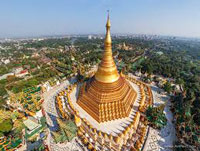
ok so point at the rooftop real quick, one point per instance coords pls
(31, 124)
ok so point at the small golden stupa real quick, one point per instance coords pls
(107, 95)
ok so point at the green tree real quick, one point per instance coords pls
(167, 87)
(6, 126)
(156, 116)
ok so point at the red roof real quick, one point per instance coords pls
(23, 71)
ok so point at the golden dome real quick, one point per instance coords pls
(90, 146)
(121, 135)
(99, 133)
(128, 128)
(80, 133)
(126, 131)
(81, 129)
(95, 130)
(117, 139)
(110, 137)
(85, 140)
(84, 120)
(105, 135)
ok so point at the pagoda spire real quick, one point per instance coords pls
(107, 95)
(108, 40)
(107, 70)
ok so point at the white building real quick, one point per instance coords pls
(17, 70)
(6, 61)
(22, 73)
(89, 37)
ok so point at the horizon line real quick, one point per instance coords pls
(92, 34)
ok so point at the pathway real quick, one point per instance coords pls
(51, 115)
(161, 140)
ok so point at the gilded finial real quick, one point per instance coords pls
(108, 40)
(108, 19)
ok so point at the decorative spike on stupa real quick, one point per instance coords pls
(107, 70)
(108, 40)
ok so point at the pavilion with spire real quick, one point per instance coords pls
(107, 95)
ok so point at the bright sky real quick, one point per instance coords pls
(49, 17)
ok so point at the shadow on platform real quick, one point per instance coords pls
(53, 118)
(35, 146)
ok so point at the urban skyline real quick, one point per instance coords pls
(36, 18)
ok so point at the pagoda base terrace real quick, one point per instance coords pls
(127, 133)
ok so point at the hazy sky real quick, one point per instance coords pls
(49, 17)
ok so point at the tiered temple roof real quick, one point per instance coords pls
(107, 95)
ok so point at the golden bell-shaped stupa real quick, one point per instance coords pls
(107, 70)
(107, 95)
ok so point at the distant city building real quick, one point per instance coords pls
(45, 60)
(159, 52)
(66, 48)
(35, 55)
(89, 37)
(22, 73)
(6, 61)
(17, 70)
(25, 57)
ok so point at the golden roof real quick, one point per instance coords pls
(107, 70)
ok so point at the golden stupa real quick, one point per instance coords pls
(107, 95)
